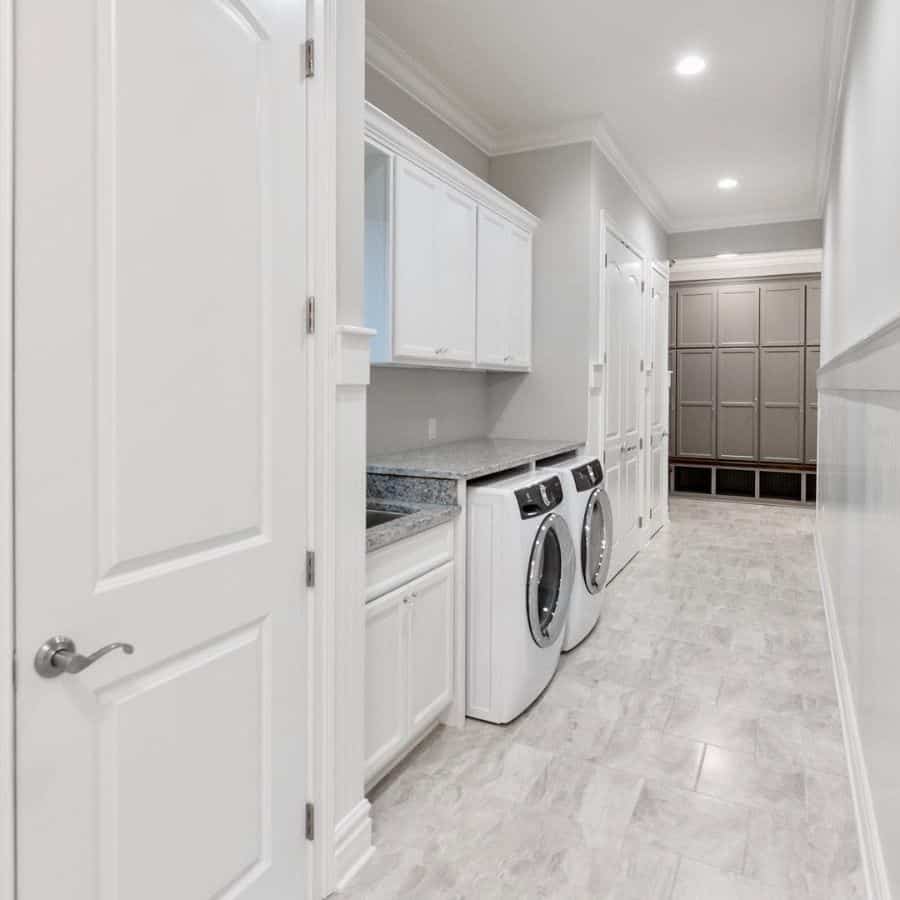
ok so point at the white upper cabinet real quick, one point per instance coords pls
(504, 293)
(448, 259)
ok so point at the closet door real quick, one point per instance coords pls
(813, 312)
(812, 403)
(781, 415)
(738, 414)
(782, 315)
(697, 403)
(696, 317)
(738, 314)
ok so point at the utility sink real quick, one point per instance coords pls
(380, 516)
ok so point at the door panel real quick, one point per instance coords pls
(738, 314)
(452, 307)
(521, 294)
(782, 315)
(812, 404)
(696, 317)
(696, 403)
(813, 312)
(781, 411)
(673, 317)
(738, 395)
(430, 612)
(160, 394)
(673, 400)
(624, 397)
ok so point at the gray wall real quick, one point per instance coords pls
(552, 401)
(399, 105)
(859, 423)
(805, 235)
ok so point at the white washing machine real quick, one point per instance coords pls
(589, 515)
(521, 567)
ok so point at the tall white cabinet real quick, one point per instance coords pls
(448, 259)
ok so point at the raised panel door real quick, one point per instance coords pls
(696, 325)
(430, 673)
(781, 411)
(697, 403)
(738, 316)
(782, 315)
(738, 395)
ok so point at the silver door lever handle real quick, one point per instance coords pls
(58, 655)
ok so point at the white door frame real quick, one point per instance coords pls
(7, 697)
(661, 268)
(323, 372)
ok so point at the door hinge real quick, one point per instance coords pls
(310, 821)
(641, 444)
(651, 512)
(310, 568)
(642, 365)
(640, 521)
(604, 457)
(643, 286)
(310, 315)
(309, 58)
(605, 260)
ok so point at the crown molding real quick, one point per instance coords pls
(395, 64)
(747, 265)
(798, 214)
(839, 33)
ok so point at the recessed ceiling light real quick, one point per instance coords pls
(727, 255)
(728, 184)
(690, 65)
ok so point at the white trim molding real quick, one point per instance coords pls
(840, 24)
(871, 851)
(747, 265)
(353, 843)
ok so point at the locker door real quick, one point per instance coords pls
(781, 413)
(738, 414)
(673, 403)
(813, 311)
(738, 316)
(812, 403)
(782, 315)
(673, 317)
(697, 403)
(696, 317)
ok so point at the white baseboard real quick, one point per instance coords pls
(353, 842)
(877, 885)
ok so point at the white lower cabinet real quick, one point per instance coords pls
(409, 665)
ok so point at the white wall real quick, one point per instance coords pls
(769, 238)
(859, 464)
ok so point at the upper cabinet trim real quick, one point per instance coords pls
(396, 138)
(748, 265)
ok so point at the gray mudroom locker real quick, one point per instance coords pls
(742, 415)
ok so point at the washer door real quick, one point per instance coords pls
(551, 573)
(596, 541)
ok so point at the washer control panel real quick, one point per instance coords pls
(588, 476)
(539, 498)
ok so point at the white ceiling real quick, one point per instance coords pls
(521, 73)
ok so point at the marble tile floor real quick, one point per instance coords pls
(690, 749)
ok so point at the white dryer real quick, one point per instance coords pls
(521, 567)
(589, 515)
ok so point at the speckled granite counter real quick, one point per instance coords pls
(406, 495)
(467, 459)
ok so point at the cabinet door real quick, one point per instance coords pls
(453, 306)
(813, 311)
(494, 265)
(738, 315)
(673, 402)
(697, 403)
(782, 315)
(781, 412)
(430, 674)
(520, 298)
(385, 683)
(738, 391)
(696, 317)
(812, 404)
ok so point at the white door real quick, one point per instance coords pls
(521, 298)
(160, 441)
(494, 264)
(658, 468)
(624, 398)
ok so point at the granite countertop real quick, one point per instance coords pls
(467, 459)
(416, 517)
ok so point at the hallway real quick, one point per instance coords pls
(690, 748)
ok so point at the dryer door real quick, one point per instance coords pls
(551, 573)
(596, 541)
